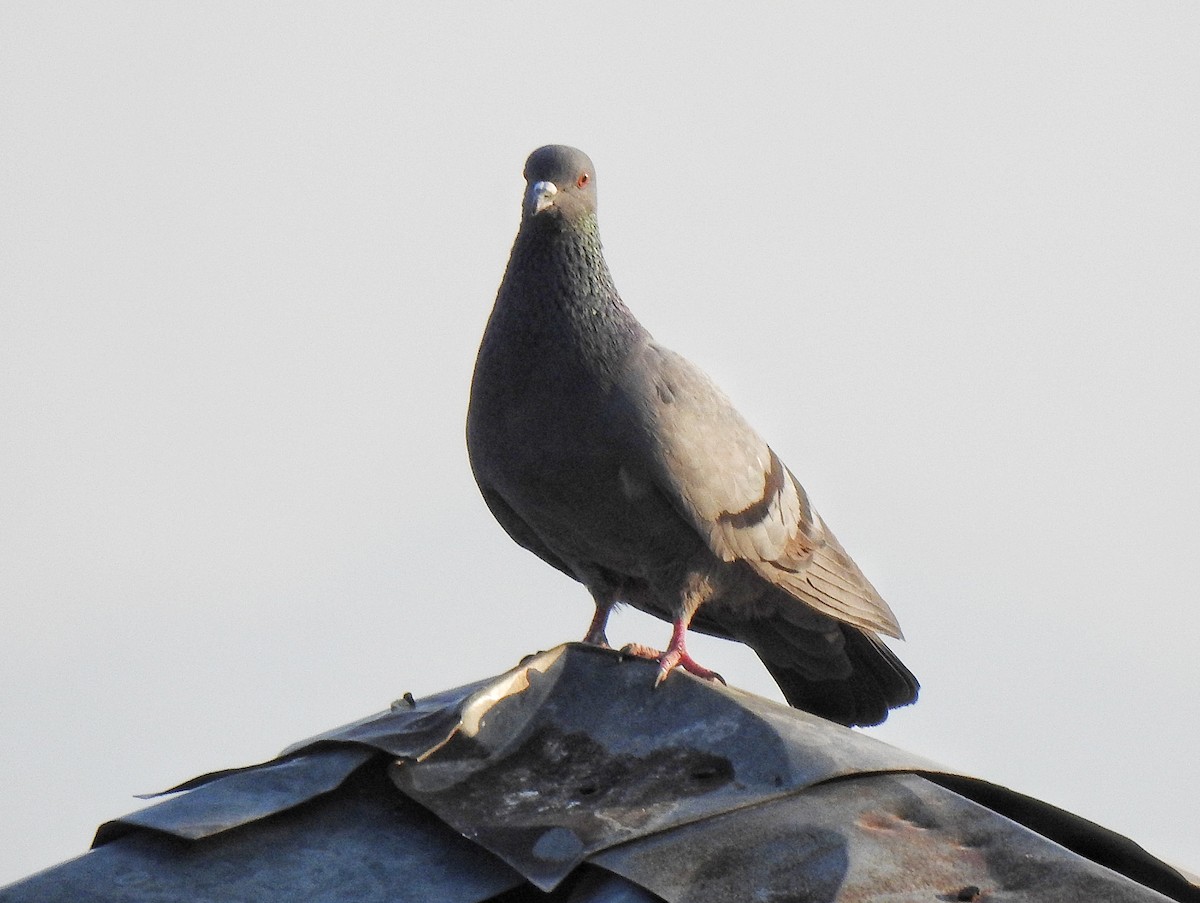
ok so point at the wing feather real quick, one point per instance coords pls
(738, 494)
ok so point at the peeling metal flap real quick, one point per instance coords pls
(243, 796)
(411, 728)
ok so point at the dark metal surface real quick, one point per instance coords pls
(587, 884)
(572, 774)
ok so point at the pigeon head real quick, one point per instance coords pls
(560, 184)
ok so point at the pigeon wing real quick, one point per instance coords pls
(738, 494)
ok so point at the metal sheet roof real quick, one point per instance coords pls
(363, 842)
(569, 777)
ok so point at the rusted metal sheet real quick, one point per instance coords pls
(1085, 838)
(879, 837)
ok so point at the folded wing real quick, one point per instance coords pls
(739, 495)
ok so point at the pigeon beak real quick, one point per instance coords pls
(540, 196)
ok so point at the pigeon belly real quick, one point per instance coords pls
(580, 487)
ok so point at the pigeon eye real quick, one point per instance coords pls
(583, 179)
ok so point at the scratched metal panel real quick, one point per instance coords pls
(589, 754)
(362, 842)
(898, 838)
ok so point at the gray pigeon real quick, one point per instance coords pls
(621, 464)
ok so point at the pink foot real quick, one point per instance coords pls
(639, 651)
(676, 656)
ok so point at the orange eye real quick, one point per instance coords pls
(583, 179)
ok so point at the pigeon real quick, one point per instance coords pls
(623, 465)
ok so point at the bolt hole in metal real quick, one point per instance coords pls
(970, 894)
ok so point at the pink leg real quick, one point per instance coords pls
(596, 635)
(675, 656)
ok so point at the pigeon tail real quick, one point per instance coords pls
(877, 682)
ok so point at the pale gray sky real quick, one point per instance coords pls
(943, 255)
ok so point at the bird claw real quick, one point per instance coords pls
(637, 650)
(670, 660)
